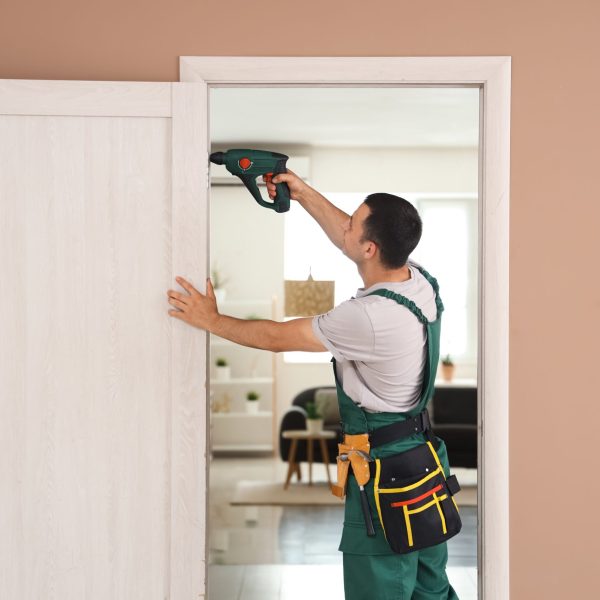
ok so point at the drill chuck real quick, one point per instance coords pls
(218, 158)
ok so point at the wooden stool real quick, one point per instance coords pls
(303, 434)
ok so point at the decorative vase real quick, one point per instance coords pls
(222, 373)
(448, 372)
(314, 425)
(252, 406)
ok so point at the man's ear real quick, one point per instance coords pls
(371, 250)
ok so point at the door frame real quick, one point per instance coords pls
(492, 75)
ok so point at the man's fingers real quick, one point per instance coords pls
(284, 177)
(178, 303)
(186, 285)
(177, 296)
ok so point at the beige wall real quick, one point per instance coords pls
(554, 198)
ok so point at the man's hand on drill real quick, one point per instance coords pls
(298, 188)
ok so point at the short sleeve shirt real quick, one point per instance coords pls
(379, 345)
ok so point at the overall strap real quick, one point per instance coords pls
(436, 288)
(409, 303)
(432, 336)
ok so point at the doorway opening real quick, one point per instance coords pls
(421, 143)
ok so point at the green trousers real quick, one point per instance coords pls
(419, 575)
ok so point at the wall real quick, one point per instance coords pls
(256, 272)
(554, 210)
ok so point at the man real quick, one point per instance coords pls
(382, 364)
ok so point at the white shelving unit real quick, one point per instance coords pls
(233, 429)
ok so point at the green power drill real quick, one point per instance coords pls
(249, 164)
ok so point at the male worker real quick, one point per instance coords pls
(382, 355)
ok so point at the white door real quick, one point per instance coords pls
(102, 394)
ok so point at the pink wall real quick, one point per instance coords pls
(554, 197)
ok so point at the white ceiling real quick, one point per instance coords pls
(350, 117)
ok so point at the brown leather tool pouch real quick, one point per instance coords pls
(351, 443)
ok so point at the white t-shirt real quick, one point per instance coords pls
(379, 345)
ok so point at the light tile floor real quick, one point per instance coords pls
(287, 553)
(299, 582)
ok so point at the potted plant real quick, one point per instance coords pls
(222, 369)
(314, 417)
(448, 368)
(252, 399)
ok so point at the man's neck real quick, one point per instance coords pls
(371, 276)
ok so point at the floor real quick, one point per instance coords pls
(284, 553)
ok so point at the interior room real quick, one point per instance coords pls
(270, 530)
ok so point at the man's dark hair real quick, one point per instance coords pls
(394, 225)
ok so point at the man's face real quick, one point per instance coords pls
(354, 243)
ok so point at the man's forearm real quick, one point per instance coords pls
(254, 333)
(275, 336)
(331, 219)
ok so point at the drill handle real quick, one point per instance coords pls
(282, 190)
(250, 182)
(281, 203)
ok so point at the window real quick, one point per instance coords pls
(448, 250)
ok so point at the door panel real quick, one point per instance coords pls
(92, 391)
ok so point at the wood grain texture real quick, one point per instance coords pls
(394, 70)
(493, 376)
(87, 376)
(85, 98)
(189, 346)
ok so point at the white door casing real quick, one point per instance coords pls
(103, 200)
(492, 74)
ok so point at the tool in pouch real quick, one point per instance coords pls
(248, 164)
(413, 497)
(355, 451)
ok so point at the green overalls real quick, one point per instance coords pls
(371, 570)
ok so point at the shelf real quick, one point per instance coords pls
(237, 414)
(242, 448)
(241, 381)
(239, 431)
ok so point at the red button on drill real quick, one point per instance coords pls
(245, 163)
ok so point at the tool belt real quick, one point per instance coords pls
(413, 497)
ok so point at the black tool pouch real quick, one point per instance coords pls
(415, 500)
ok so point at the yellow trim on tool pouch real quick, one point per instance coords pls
(408, 527)
(412, 486)
(376, 492)
(431, 503)
(437, 502)
(437, 460)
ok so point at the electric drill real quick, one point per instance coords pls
(249, 164)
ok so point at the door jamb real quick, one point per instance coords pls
(492, 74)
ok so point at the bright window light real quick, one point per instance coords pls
(448, 250)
